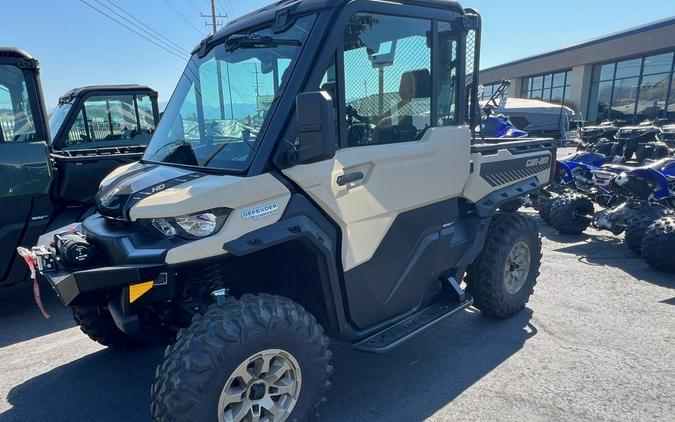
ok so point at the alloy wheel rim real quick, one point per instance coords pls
(517, 267)
(265, 387)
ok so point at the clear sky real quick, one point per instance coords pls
(77, 46)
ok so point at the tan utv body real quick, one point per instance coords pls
(259, 226)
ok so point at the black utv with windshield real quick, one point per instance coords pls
(48, 181)
(599, 138)
(637, 140)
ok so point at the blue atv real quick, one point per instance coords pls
(577, 172)
(654, 187)
(632, 196)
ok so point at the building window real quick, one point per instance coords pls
(553, 87)
(633, 90)
(489, 89)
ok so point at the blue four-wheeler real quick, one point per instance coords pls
(646, 193)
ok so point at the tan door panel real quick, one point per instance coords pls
(397, 177)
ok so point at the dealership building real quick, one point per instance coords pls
(628, 75)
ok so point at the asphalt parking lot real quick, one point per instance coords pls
(597, 342)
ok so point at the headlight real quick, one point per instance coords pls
(621, 179)
(192, 226)
(199, 225)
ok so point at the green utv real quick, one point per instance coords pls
(314, 177)
(46, 184)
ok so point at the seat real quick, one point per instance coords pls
(414, 84)
(656, 165)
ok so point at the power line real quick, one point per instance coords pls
(222, 9)
(231, 9)
(161, 39)
(195, 6)
(178, 12)
(154, 34)
(133, 30)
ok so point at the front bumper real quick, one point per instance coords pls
(91, 286)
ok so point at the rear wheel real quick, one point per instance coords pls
(571, 213)
(658, 244)
(258, 358)
(637, 224)
(502, 278)
(97, 323)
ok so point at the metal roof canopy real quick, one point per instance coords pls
(107, 89)
(15, 52)
(297, 7)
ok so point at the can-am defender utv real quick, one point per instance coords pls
(260, 223)
(48, 183)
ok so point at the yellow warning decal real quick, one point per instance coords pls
(138, 290)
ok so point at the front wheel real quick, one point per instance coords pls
(257, 358)
(657, 245)
(502, 278)
(97, 323)
(571, 213)
(637, 224)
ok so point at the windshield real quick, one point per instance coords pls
(222, 101)
(58, 116)
(16, 117)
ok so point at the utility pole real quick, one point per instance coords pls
(214, 25)
(257, 88)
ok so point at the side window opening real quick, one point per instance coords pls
(113, 120)
(16, 117)
(387, 73)
(146, 115)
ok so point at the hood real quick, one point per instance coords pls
(129, 184)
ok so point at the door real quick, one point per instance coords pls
(25, 173)
(103, 133)
(402, 163)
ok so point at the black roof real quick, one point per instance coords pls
(267, 13)
(76, 92)
(14, 52)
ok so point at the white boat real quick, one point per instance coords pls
(536, 116)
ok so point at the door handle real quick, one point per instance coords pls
(349, 178)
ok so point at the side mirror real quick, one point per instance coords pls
(316, 124)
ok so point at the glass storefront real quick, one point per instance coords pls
(553, 87)
(634, 90)
(489, 89)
